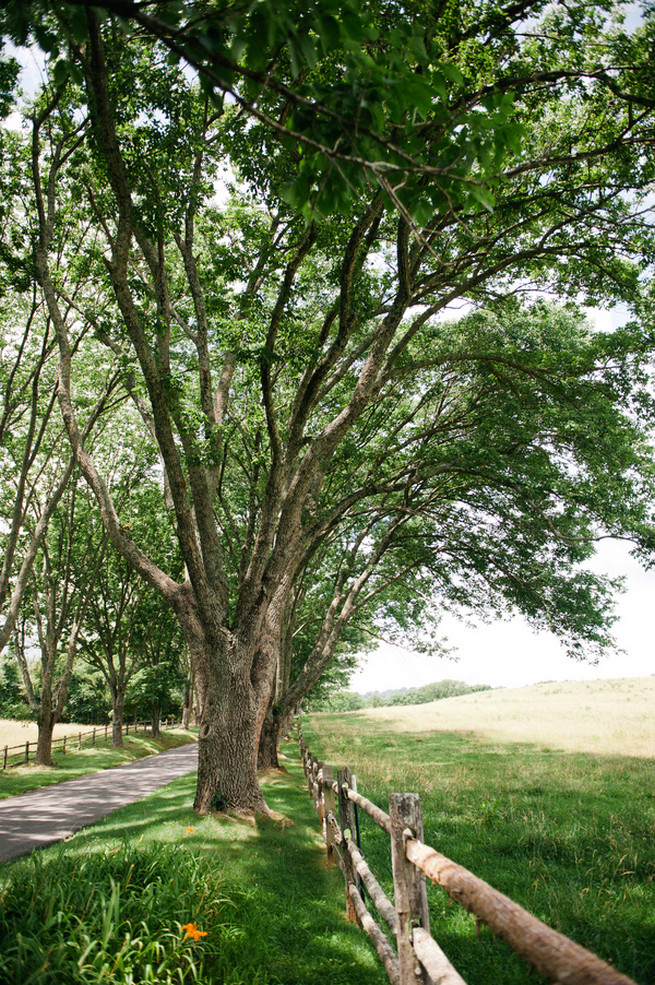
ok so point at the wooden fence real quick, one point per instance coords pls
(20, 754)
(417, 959)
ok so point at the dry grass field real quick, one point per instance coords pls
(17, 733)
(608, 717)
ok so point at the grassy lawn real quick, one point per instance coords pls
(568, 835)
(109, 904)
(75, 762)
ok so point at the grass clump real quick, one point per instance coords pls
(108, 917)
(567, 836)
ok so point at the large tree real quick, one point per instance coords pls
(491, 150)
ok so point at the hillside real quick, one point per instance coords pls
(614, 717)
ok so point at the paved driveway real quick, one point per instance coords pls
(42, 817)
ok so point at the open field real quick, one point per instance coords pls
(610, 717)
(13, 733)
(512, 789)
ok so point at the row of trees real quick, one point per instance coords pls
(292, 268)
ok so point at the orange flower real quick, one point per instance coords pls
(192, 931)
(189, 830)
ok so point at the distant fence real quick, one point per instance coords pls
(20, 754)
(417, 959)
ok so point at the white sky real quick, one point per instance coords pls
(510, 654)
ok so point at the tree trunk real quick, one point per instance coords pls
(233, 699)
(227, 748)
(187, 706)
(46, 724)
(156, 715)
(118, 707)
(268, 742)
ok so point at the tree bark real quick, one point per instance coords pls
(268, 742)
(229, 736)
(156, 717)
(46, 724)
(118, 715)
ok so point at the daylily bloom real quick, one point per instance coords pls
(192, 931)
(189, 830)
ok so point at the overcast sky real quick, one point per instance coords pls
(510, 654)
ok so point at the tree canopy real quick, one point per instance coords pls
(258, 223)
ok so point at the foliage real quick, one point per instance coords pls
(434, 692)
(343, 700)
(12, 700)
(88, 702)
(108, 914)
(161, 685)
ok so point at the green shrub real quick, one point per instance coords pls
(112, 917)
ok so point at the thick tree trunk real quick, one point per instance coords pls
(227, 746)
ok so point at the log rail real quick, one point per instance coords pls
(416, 958)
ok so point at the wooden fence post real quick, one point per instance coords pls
(347, 825)
(328, 807)
(79, 741)
(63, 746)
(4, 758)
(27, 752)
(410, 897)
(320, 802)
(93, 740)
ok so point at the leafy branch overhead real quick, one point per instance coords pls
(311, 248)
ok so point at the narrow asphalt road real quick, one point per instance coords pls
(42, 817)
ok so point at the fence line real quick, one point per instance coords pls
(79, 738)
(417, 958)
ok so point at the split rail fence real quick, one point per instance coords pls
(417, 959)
(20, 754)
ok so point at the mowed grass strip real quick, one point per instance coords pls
(124, 901)
(88, 759)
(568, 835)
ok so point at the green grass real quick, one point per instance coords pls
(109, 904)
(571, 837)
(74, 763)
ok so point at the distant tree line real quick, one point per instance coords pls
(351, 701)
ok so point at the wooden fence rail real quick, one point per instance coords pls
(417, 959)
(20, 754)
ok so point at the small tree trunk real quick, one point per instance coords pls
(187, 706)
(118, 707)
(268, 742)
(46, 724)
(156, 715)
